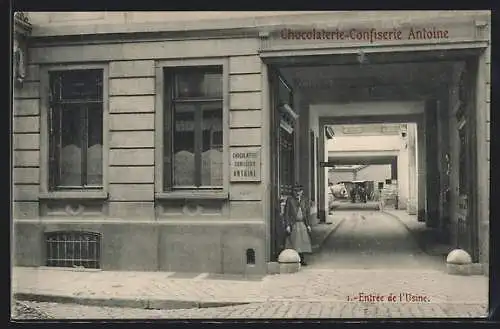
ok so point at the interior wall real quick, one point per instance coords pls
(380, 108)
(403, 177)
(454, 152)
(339, 176)
(314, 126)
(412, 169)
(377, 173)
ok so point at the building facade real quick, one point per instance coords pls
(150, 142)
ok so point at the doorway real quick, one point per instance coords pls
(283, 150)
(339, 80)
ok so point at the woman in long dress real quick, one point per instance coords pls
(297, 215)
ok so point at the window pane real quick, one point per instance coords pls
(196, 83)
(78, 84)
(71, 147)
(211, 158)
(94, 151)
(184, 145)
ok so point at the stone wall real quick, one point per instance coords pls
(139, 231)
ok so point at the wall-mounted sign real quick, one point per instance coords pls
(245, 164)
(326, 164)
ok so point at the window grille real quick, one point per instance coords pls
(250, 256)
(73, 249)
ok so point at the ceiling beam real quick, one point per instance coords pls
(361, 161)
(374, 58)
(407, 118)
(392, 92)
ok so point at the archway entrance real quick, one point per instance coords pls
(402, 87)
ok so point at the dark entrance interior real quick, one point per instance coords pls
(342, 79)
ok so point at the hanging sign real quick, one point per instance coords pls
(245, 164)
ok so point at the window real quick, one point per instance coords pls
(462, 162)
(193, 143)
(286, 140)
(287, 173)
(76, 129)
(73, 249)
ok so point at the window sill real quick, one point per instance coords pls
(75, 195)
(192, 195)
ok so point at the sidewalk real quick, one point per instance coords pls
(424, 236)
(160, 290)
(171, 290)
(320, 232)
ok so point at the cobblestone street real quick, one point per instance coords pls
(275, 309)
(369, 254)
(232, 164)
(369, 239)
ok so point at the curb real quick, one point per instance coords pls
(318, 247)
(162, 304)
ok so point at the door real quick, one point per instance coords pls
(318, 185)
(283, 158)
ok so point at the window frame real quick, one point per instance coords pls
(161, 102)
(312, 166)
(91, 193)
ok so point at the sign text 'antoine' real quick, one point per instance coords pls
(245, 164)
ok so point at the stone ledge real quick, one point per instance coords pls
(289, 268)
(465, 269)
(273, 268)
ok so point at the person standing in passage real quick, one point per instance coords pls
(331, 198)
(353, 193)
(297, 214)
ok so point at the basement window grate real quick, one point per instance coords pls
(73, 249)
(250, 256)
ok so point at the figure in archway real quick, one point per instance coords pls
(353, 193)
(297, 215)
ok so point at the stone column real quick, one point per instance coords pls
(432, 158)
(403, 183)
(412, 170)
(421, 176)
(394, 169)
(322, 174)
(444, 150)
(303, 141)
